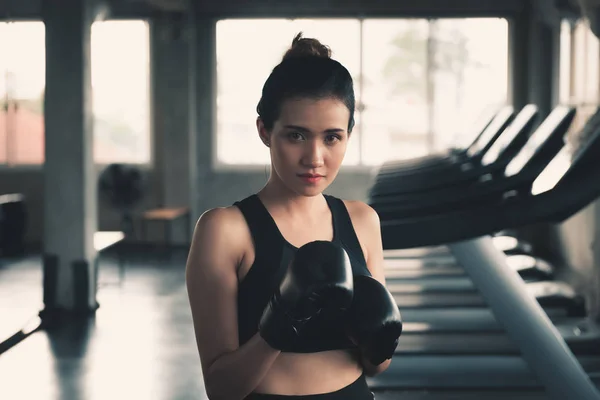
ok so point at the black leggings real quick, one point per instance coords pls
(355, 391)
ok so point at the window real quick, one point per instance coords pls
(565, 63)
(580, 72)
(252, 44)
(121, 91)
(120, 81)
(22, 80)
(420, 84)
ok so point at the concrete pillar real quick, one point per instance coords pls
(534, 61)
(171, 87)
(519, 61)
(544, 45)
(203, 68)
(192, 122)
(69, 186)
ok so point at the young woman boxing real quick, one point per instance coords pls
(286, 286)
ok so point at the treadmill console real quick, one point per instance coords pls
(568, 155)
(542, 133)
(553, 172)
(523, 118)
(491, 131)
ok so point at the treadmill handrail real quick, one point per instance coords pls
(561, 114)
(525, 117)
(575, 189)
(491, 132)
(545, 145)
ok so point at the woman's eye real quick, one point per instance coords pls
(332, 138)
(295, 136)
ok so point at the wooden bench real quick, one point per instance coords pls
(166, 215)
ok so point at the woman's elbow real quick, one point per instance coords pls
(219, 388)
(372, 370)
(220, 392)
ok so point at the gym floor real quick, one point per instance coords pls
(140, 344)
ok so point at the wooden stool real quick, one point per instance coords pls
(166, 216)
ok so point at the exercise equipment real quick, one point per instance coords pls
(529, 267)
(563, 188)
(490, 160)
(508, 244)
(484, 140)
(543, 145)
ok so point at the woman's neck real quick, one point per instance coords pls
(279, 198)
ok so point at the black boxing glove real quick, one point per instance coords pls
(318, 281)
(374, 322)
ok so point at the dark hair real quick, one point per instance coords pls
(306, 71)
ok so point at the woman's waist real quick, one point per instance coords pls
(311, 373)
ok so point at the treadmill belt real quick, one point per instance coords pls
(489, 343)
(416, 263)
(441, 300)
(456, 343)
(466, 300)
(435, 253)
(444, 255)
(398, 273)
(463, 320)
(412, 371)
(437, 285)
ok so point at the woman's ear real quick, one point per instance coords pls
(262, 132)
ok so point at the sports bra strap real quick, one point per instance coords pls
(260, 224)
(344, 229)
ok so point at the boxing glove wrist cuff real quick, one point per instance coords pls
(277, 327)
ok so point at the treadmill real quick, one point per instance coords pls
(422, 283)
(545, 356)
(510, 140)
(487, 136)
(493, 157)
(539, 150)
(529, 267)
(444, 287)
(441, 254)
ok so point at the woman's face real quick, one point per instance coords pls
(308, 143)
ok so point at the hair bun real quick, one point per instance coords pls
(304, 47)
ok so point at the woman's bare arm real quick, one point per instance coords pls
(368, 231)
(230, 371)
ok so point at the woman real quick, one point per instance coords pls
(305, 118)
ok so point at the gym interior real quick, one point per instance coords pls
(477, 142)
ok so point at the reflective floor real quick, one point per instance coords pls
(140, 345)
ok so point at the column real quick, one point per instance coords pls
(171, 87)
(544, 44)
(534, 43)
(70, 215)
(203, 71)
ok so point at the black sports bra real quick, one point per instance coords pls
(272, 255)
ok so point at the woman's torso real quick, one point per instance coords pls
(306, 373)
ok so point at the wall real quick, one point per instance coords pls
(224, 188)
(30, 182)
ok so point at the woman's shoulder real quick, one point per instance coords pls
(361, 213)
(222, 230)
(221, 220)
